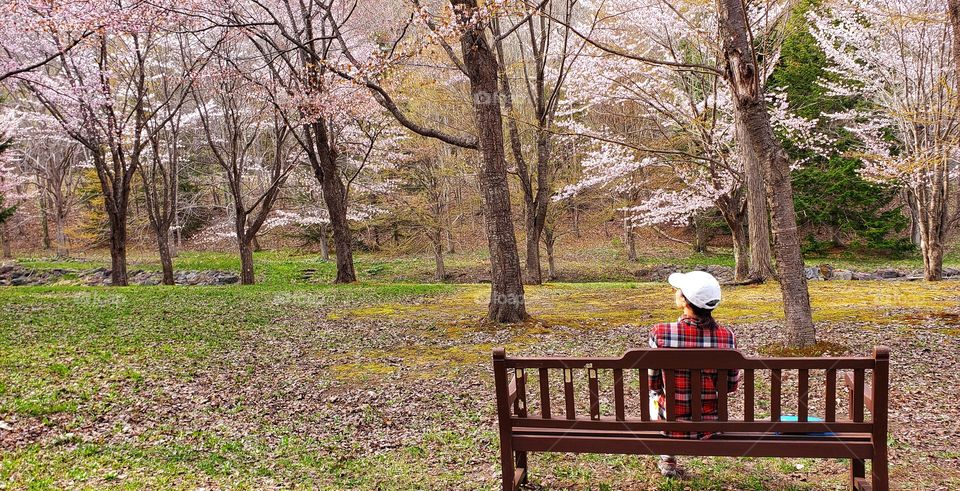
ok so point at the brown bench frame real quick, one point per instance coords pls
(853, 438)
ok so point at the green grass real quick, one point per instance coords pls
(597, 264)
(184, 387)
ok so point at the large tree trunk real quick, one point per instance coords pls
(335, 196)
(246, 262)
(758, 224)
(323, 159)
(932, 195)
(166, 259)
(932, 252)
(118, 248)
(507, 303)
(743, 77)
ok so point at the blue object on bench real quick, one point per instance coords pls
(787, 418)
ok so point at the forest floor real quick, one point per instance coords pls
(295, 383)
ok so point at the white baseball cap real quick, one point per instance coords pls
(698, 287)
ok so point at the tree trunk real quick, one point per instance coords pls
(534, 275)
(549, 240)
(44, 222)
(451, 245)
(61, 236)
(323, 159)
(507, 303)
(932, 195)
(743, 77)
(333, 194)
(914, 218)
(537, 208)
(118, 249)
(741, 249)
(758, 224)
(246, 262)
(441, 271)
(5, 241)
(629, 239)
(166, 259)
(932, 252)
(324, 242)
(701, 235)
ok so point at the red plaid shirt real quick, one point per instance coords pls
(689, 332)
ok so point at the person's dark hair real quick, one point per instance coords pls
(702, 314)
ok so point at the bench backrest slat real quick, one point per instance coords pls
(831, 396)
(856, 404)
(644, 385)
(722, 394)
(670, 390)
(594, 393)
(618, 394)
(520, 404)
(748, 388)
(569, 403)
(545, 393)
(696, 393)
(803, 394)
(776, 378)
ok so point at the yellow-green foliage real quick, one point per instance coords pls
(601, 305)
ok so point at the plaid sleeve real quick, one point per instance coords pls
(655, 376)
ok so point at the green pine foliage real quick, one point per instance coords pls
(834, 203)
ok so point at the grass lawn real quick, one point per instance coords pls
(386, 384)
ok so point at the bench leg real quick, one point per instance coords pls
(857, 471)
(881, 478)
(507, 467)
(522, 466)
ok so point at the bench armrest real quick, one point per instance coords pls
(867, 391)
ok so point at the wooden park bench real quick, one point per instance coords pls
(562, 429)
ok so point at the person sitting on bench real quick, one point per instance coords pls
(697, 294)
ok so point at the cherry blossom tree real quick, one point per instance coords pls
(101, 93)
(248, 139)
(14, 184)
(466, 22)
(56, 162)
(896, 56)
(538, 57)
(738, 65)
(26, 25)
(679, 115)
